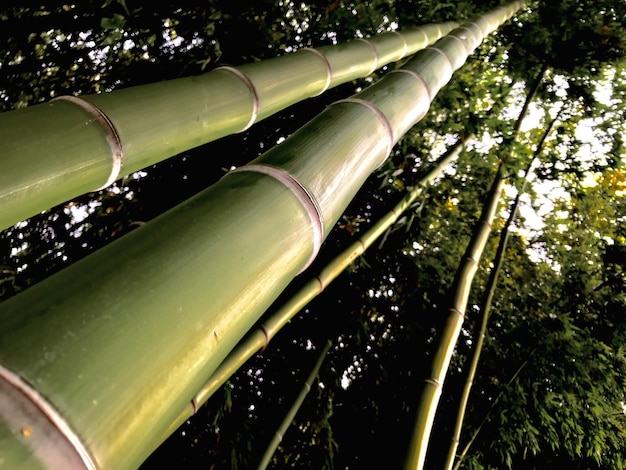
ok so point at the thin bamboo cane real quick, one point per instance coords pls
(69, 146)
(479, 342)
(488, 297)
(460, 293)
(89, 345)
(491, 408)
(291, 414)
(461, 289)
(260, 337)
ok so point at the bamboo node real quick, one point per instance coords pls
(452, 68)
(24, 409)
(112, 137)
(486, 223)
(321, 283)
(382, 118)
(267, 338)
(329, 70)
(452, 36)
(419, 78)
(305, 197)
(433, 381)
(255, 95)
(374, 51)
(405, 46)
(484, 33)
(470, 34)
(458, 312)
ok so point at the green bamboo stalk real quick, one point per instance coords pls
(488, 297)
(486, 304)
(260, 337)
(461, 289)
(112, 348)
(460, 293)
(67, 147)
(291, 414)
(491, 408)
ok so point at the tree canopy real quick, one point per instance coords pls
(551, 383)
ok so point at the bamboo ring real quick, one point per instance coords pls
(255, 95)
(329, 70)
(374, 51)
(417, 77)
(47, 434)
(444, 55)
(380, 115)
(405, 46)
(112, 136)
(307, 200)
(471, 35)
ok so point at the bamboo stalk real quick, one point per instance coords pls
(291, 414)
(491, 408)
(260, 337)
(90, 344)
(488, 297)
(83, 144)
(460, 294)
(493, 276)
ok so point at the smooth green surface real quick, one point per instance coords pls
(433, 30)
(281, 81)
(199, 276)
(465, 274)
(160, 120)
(337, 150)
(123, 339)
(434, 67)
(54, 152)
(402, 114)
(344, 68)
(30, 435)
(258, 338)
(36, 163)
(390, 46)
(452, 329)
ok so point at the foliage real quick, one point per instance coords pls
(573, 37)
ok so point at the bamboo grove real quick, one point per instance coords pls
(82, 353)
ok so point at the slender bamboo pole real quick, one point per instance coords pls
(488, 297)
(460, 294)
(291, 414)
(112, 348)
(72, 145)
(491, 408)
(493, 276)
(260, 337)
